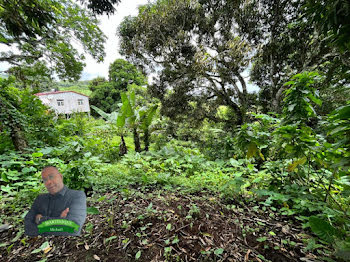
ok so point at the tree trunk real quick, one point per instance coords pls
(276, 100)
(136, 140)
(122, 147)
(227, 100)
(18, 139)
(9, 113)
(146, 139)
(273, 105)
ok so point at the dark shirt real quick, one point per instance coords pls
(51, 207)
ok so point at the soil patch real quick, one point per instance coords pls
(158, 225)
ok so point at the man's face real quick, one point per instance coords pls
(53, 180)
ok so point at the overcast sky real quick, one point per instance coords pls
(109, 27)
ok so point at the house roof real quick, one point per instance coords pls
(57, 92)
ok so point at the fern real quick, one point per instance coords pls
(323, 229)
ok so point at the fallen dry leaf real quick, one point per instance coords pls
(246, 258)
(286, 229)
(47, 250)
(206, 231)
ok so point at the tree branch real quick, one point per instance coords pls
(13, 58)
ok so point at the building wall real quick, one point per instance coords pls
(70, 102)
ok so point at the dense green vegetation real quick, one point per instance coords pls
(78, 86)
(106, 95)
(195, 133)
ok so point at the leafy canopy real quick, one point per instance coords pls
(196, 54)
(33, 31)
(106, 94)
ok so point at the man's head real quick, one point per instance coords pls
(52, 179)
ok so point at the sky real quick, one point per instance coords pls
(109, 27)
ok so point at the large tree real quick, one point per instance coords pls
(23, 118)
(44, 31)
(279, 45)
(289, 37)
(197, 56)
(330, 20)
(38, 37)
(106, 94)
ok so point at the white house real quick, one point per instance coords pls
(65, 102)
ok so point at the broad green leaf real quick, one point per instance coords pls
(175, 240)
(294, 165)
(113, 117)
(341, 113)
(46, 150)
(7, 188)
(100, 112)
(87, 154)
(92, 210)
(101, 198)
(44, 245)
(126, 107)
(314, 99)
(147, 116)
(289, 83)
(37, 154)
(234, 162)
(121, 120)
(132, 98)
(291, 107)
(261, 239)
(252, 149)
(36, 251)
(339, 129)
(261, 155)
(4, 177)
(323, 229)
(138, 255)
(219, 251)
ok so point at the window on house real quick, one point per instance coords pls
(80, 102)
(60, 102)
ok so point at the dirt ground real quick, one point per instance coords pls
(159, 225)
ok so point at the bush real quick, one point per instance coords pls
(78, 173)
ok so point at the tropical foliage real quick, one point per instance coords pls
(269, 164)
(106, 95)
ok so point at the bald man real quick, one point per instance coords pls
(59, 203)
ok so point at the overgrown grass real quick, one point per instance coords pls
(81, 90)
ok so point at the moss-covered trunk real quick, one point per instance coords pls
(136, 140)
(146, 139)
(18, 139)
(122, 147)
